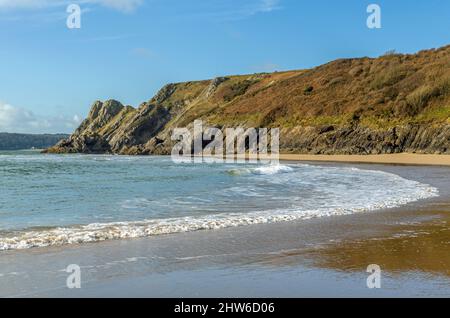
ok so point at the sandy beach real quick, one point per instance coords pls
(401, 158)
(225, 149)
(324, 257)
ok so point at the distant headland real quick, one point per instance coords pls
(10, 141)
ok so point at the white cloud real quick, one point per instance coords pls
(143, 52)
(19, 120)
(30, 4)
(266, 67)
(107, 38)
(119, 5)
(220, 9)
(226, 10)
(268, 5)
(261, 6)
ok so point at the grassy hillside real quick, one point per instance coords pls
(393, 103)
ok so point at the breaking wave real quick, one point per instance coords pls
(98, 232)
(264, 170)
(142, 197)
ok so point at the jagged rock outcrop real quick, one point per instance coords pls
(395, 103)
(212, 87)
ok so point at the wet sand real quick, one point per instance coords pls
(324, 257)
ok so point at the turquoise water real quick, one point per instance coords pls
(67, 199)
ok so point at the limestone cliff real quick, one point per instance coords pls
(394, 103)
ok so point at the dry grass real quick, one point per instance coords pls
(383, 92)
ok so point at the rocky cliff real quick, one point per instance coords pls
(394, 103)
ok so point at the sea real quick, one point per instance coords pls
(60, 200)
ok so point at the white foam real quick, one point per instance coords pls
(263, 170)
(97, 232)
(333, 191)
(272, 169)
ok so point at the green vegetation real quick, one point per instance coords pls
(390, 77)
(440, 114)
(28, 141)
(238, 89)
(356, 98)
(308, 90)
(419, 99)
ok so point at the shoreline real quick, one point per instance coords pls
(404, 158)
(397, 159)
(317, 257)
(27, 238)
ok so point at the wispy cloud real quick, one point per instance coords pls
(215, 9)
(268, 5)
(143, 52)
(28, 4)
(119, 5)
(107, 38)
(266, 67)
(228, 10)
(251, 8)
(20, 120)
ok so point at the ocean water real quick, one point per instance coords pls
(48, 200)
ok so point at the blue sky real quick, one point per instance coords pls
(128, 49)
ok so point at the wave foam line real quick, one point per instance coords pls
(98, 232)
(263, 170)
